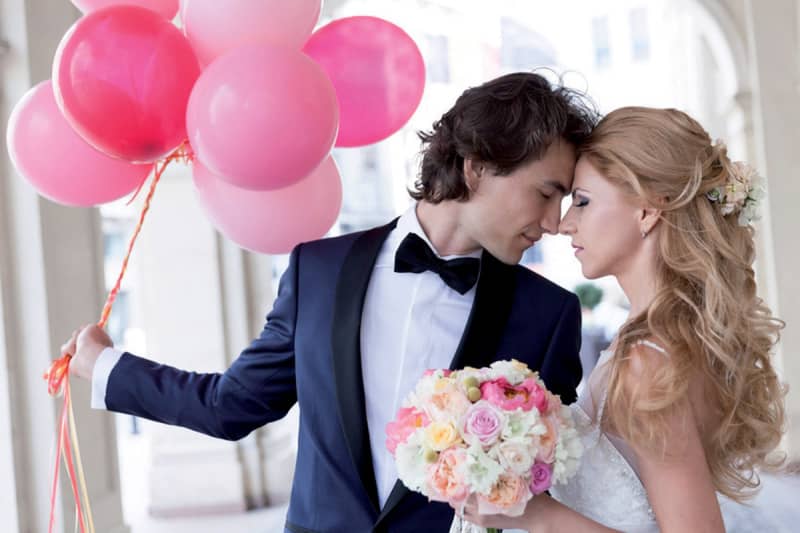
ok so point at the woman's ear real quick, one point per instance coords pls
(648, 220)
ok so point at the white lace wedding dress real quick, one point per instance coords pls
(607, 487)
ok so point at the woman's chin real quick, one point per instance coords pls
(588, 272)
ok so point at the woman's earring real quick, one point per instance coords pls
(644, 234)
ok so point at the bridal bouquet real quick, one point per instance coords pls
(494, 433)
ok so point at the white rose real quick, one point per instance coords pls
(515, 456)
(412, 468)
(513, 371)
(481, 471)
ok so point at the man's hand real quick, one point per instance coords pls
(85, 346)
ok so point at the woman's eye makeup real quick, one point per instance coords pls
(579, 200)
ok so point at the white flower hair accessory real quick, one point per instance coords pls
(741, 194)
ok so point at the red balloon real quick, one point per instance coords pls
(122, 77)
(378, 73)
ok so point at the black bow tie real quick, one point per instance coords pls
(414, 255)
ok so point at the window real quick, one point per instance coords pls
(640, 36)
(602, 44)
(369, 160)
(523, 48)
(438, 60)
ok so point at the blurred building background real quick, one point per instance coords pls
(194, 300)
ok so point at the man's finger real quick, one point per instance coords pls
(68, 348)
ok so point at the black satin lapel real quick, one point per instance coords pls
(399, 491)
(351, 290)
(487, 321)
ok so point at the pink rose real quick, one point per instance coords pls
(407, 421)
(483, 422)
(508, 397)
(446, 479)
(541, 476)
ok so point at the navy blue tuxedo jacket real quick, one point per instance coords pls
(309, 353)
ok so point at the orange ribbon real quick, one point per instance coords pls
(57, 376)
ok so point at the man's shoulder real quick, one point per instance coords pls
(332, 243)
(529, 282)
(338, 245)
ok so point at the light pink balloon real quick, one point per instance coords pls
(166, 8)
(215, 27)
(262, 116)
(272, 222)
(378, 72)
(57, 162)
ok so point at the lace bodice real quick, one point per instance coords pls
(607, 487)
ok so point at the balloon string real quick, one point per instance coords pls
(112, 296)
(58, 372)
(136, 193)
(81, 477)
(59, 368)
(61, 432)
(67, 453)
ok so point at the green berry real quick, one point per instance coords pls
(474, 394)
(471, 382)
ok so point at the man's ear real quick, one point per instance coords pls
(473, 172)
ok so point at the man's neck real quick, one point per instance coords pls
(441, 224)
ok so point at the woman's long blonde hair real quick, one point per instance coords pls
(706, 312)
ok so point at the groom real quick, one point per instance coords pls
(359, 318)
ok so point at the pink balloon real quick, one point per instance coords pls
(122, 77)
(378, 72)
(57, 162)
(262, 116)
(272, 222)
(213, 29)
(166, 8)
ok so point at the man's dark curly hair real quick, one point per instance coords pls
(504, 123)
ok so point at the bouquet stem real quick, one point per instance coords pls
(460, 525)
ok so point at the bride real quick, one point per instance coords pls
(685, 407)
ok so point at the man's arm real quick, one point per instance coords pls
(562, 363)
(259, 386)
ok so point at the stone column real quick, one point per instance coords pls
(772, 30)
(50, 282)
(201, 300)
(180, 293)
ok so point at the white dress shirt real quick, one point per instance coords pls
(410, 323)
